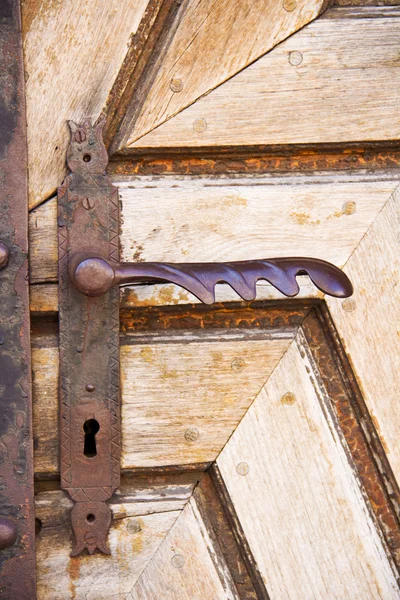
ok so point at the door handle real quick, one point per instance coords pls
(88, 236)
(94, 276)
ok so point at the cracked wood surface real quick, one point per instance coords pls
(336, 80)
(295, 491)
(213, 41)
(144, 510)
(168, 219)
(368, 324)
(73, 53)
(180, 400)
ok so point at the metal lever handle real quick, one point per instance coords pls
(94, 276)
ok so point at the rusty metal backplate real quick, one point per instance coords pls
(88, 221)
(17, 531)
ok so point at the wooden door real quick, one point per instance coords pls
(260, 454)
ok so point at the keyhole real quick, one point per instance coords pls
(90, 427)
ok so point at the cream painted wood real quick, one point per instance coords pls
(215, 40)
(298, 499)
(73, 52)
(369, 324)
(183, 567)
(170, 388)
(336, 80)
(209, 219)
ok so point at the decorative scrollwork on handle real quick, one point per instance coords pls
(94, 276)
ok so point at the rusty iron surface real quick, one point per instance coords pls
(257, 160)
(17, 529)
(95, 276)
(367, 455)
(89, 343)
(261, 315)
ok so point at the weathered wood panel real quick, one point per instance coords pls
(73, 52)
(180, 400)
(143, 513)
(184, 567)
(368, 324)
(297, 496)
(214, 40)
(336, 80)
(210, 219)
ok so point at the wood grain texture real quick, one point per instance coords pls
(336, 80)
(368, 324)
(214, 40)
(186, 565)
(170, 393)
(143, 513)
(73, 52)
(296, 494)
(238, 218)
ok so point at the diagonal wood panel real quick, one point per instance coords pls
(144, 510)
(73, 52)
(184, 567)
(368, 324)
(297, 496)
(182, 401)
(324, 84)
(214, 40)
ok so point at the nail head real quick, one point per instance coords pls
(191, 434)
(237, 364)
(134, 527)
(295, 58)
(90, 387)
(8, 533)
(348, 305)
(176, 85)
(4, 255)
(178, 561)
(242, 468)
(200, 125)
(288, 398)
(289, 5)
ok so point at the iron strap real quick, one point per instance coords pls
(17, 530)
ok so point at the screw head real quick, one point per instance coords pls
(242, 469)
(191, 434)
(176, 85)
(88, 203)
(295, 58)
(200, 125)
(348, 305)
(288, 398)
(178, 561)
(4, 255)
(289, 5)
